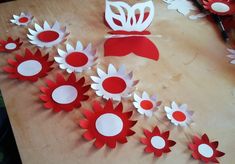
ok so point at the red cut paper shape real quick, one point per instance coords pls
(69, 101)
(226, 7)
(42, 61)
(103, 136)
(10, 45)
(77, 59)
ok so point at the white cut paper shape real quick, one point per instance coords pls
(10, 46)
(205, 150)
(128, 19)
(158, 142)
(22, 20)
(197, 16)
(83, 59)
(231, 55)
(29, 68)
(64, 94)
(115, 84)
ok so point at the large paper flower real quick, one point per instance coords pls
(107, 125)
(10, 45)
(113, 85)
(157, 142)
(205, 150)
(64, 94)
(47, 36)
(179, 115)
(231, 55)
(76, 59)
(22, 20)
(29, 67)
(220, 7)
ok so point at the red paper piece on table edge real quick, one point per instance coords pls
(10, 45)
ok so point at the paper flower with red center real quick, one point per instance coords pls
(157, 142)
(113, 84)
(179, 115)
(145, 104)
(205, 150)
(29, 67)
(76, 59)
(47, 36)
(64, 94)
(22, 20)
(10, 45)
(220, 7)
(231, 55)
(107, 125)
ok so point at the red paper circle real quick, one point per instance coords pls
(76, 59)
(146, 104)
(114, 85)
(48, 36)
(23, 19)
(179, 116)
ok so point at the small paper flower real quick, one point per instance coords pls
(220, 7)
(107, 125)
(47, 36)
(231, 55)
(205, 150)
(64, 94)
(29, 67)
(10, 45)
(145, 104)
(157, 142)
(113, 84)
(179, 115)
(22, 20)
(76, 59)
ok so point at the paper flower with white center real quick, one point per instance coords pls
(179, 115)
(231, 55)
(76, 59)
(47, 36)
(145, 104)
(220, 7)
(22, 20)
(115, 84)
(10, 45)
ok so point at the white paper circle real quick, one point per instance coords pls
(158, 142)
(10, 46)
(64, 94)
(109, 124)
(29, 68)
(205, 150)
(220, 7)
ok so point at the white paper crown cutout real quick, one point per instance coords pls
(129, 21)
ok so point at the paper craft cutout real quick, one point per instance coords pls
(64, 94)
(231, 55)
(157, 142)
(22, 20)
(179, 115)
(113, 84)
(107, 125)
(47, 36)
(76, 59)
(205, 150)
(145, 104)
(197, 16)
(10, 45)
(29, 67)
(220, 7)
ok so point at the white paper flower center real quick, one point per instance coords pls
(109, 124)
(64, 94)
(205, 150)
(220, 7)
(10, 46)
(158, 142)
(29, 68)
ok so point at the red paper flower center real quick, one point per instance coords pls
(76, 59)
(114, 85)
(146, 104)
(48, 36)
(179, 116)
(23, 19)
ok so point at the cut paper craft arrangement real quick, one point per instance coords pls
(22, 20)
(64, 94)
(115, 84)
(107, 125)
(76, 59)
(10, 45)
(29, 67)
(231, 55)
(47, 36)
(157, 142)
(220, 7)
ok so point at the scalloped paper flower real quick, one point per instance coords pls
(179, 115)
(107, 125)
(22, 20)
(64, 94)
(29, 67)
(115, 84)
(76, 59)
(220, 7)
(157, 142)
(47, 36)
(231, 55)
(205, 150)
(10, 45)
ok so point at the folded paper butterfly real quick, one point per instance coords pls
(10, 45)
(220, 7)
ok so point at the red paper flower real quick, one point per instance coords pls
(10, 45)
(29, 67)
(220, 7)
(107, 125)
(205, 150)
(157, 142)
(64, 94)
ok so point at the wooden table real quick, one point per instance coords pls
(192, 69)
